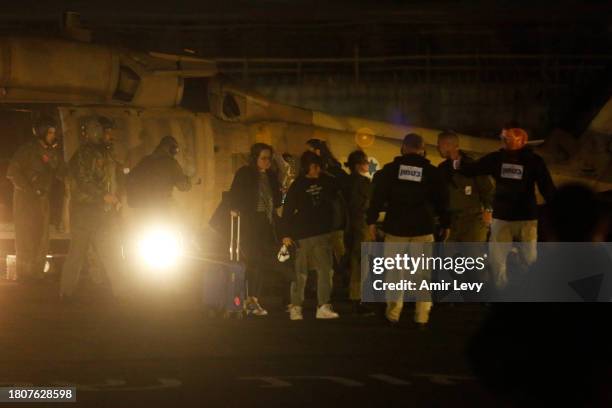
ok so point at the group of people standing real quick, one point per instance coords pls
(461, 200)
(316, 218)
(96, 183)
(321, 218)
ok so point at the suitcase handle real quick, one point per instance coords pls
(234, 224)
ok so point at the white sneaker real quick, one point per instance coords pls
(326, 312)
(260, 311)
(295, 313)
(253, 307)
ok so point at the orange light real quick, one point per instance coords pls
(365, 137)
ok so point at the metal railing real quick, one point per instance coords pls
(546, 66)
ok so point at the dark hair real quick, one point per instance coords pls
(448, 134)
(328, 158)
(356, 157)
(42, 125)
(413, 141)
(256, 150)
(308, 158)
(106, 123)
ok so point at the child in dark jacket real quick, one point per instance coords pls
(308, 222)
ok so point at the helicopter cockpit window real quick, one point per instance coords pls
(127, 84)
(231, 109)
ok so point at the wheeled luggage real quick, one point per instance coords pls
(224, 283)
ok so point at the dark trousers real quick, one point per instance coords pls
(31, 216)
(260, 249)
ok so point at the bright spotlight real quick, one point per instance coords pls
(160, 247)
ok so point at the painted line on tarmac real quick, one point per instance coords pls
(443, 379)
(268, 382)
(389, 379)
(288, 381)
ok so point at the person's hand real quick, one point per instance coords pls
(444, 234)
(111, 199)
(372, 229)
(487, 217)
(287, 241)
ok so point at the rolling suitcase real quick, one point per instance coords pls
(224, 283)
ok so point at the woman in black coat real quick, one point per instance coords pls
(256, 194)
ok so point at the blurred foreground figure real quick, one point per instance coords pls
(415, 193)
(516, 170)
(576, 214)
(32, 171)
(94, 208)
(553, 354)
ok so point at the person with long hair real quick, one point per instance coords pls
(256, 194)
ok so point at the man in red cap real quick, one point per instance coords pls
(516, 170)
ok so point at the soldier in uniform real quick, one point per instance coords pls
(32, 171)
(94, 208)
(471, 198)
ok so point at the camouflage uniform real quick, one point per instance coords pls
(33, 170)
(92, 172)
(469, 196)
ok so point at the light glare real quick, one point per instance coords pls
(160, 248)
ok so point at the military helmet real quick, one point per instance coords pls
(42, 125)
(92, 128)
(169, 144)
(106, 123)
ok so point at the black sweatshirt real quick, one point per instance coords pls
(309, 207)
(414, 193)
(516, 173)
